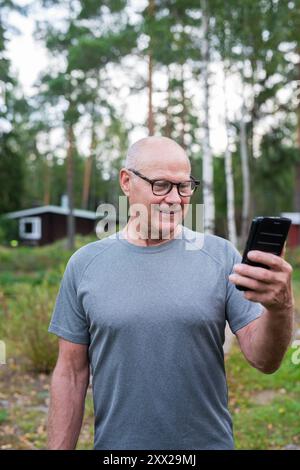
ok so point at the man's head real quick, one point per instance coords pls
(156, 158)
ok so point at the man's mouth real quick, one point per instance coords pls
(169, 212)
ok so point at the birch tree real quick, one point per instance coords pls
(207, 163)
(228, 171)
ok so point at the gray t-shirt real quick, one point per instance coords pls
(154, 320)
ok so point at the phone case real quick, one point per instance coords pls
(266, 234)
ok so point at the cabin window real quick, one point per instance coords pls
(30, 228)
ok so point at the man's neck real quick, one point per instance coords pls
(133, 236)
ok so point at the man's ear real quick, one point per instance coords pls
(124, 181)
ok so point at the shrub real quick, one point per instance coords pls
(25, 321)
(32, 259)
(39, 258)
(9, 230)
(29, 279)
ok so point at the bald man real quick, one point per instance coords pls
(148, 315)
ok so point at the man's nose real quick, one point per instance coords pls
(173, 197)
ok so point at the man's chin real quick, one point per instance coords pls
(164, 231)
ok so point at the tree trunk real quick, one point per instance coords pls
(47, 183)
(184, 110)
(151, 7)
(229, 176)
(150, 94)
(245, 177)
(88, 170)
(297, 166)
(207, 178)
(167, 111)
(297, 187)
(70, 190)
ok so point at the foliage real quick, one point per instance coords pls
(269, 425)
(28, 260)
(8, 230)
(96, 42)
(25, 321)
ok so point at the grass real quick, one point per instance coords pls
(29, 280)
(25, 260)
(23, 424)
(265, 408)
(3, 416)
(31, 276)
(271, 425)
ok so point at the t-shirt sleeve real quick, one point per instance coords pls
(239, 311)
(69, 320)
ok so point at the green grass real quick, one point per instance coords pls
(276, 423)
(264, 426)
(31, 276)
(22, 259)
(3, 416)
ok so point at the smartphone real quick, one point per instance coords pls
(266, 234)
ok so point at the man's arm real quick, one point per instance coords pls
(264, 341)
(69, 384)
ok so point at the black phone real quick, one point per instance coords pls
(266, 234)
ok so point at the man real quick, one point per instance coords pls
(148, 315)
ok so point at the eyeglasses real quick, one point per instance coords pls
(163, 187)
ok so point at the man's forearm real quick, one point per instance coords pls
(66, 411)
(270, 338)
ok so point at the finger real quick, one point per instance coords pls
(260, 274)
(273, 261)
(247, 282)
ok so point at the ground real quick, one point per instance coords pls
(24, 402)
(265, 408)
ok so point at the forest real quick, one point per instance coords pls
(220, 78)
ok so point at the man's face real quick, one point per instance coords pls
(161, 214)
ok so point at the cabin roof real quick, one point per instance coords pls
(54, 210)
(294, 216)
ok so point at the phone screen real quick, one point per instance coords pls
(266, 234)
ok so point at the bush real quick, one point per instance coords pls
(31, 259)
(29, 279)
(40, 258)
(9, 230)
(24, 324)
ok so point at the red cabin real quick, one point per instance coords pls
(293, 240)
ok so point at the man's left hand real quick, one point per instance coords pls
(271, 287)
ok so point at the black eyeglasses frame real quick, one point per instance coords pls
(153, 181)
